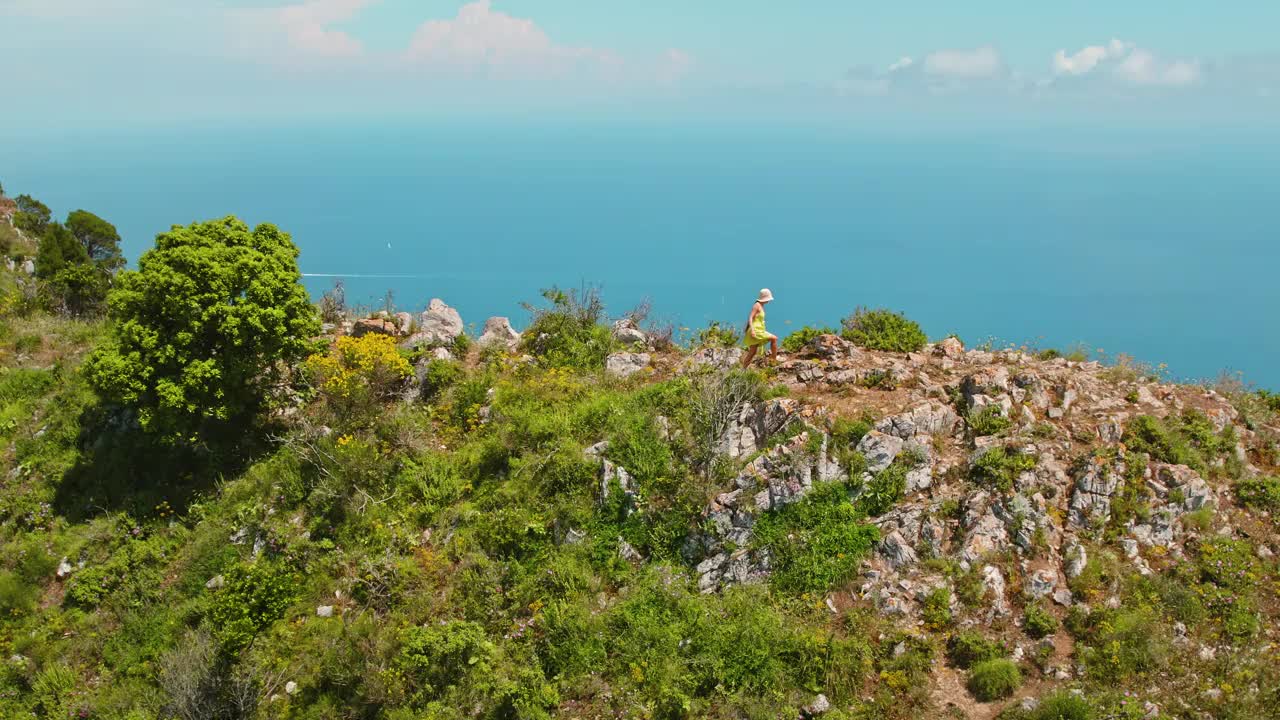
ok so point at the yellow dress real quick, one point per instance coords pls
(756, 334)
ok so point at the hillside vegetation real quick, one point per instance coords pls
(385, 516)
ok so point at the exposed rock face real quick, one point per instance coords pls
(439, 325)
(404, 323)
(880, 450)
(498, 330)
(626, 364)
(754, 424)
(627, 332)
(932, 418)
(373, 326)
(717, 358)
(1091, 502)
(949, 347)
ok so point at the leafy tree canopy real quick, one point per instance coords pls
(58, 251)
(99, 238)
(33, 217)
(206, 327)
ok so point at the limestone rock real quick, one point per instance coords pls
(324, 611)
(498, 330)
(880, 449)
(949, 347)
(928, 419)
(627, 332)
(896, 551)
(64, 568)
(215, 582)
(439, 325)
(373, 326)
(626, 364)
(718, 358)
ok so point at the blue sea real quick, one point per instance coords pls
(1161, 245)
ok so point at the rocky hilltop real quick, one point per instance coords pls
(593, 519)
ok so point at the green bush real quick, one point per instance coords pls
(800, 339)
(571, 332)
(1189, 439)
(815, 544)
(716, 335)
(438, 657)
(969, 647)
(206, 327)
(1062, 706)
(1260, 493)
(883, 330)
(1123, 643)
(937, 609)
(999, 467)
(1039, 622)
(994, 679)
(885, 488)
(439, 376)
(252, 597)
(990, 420)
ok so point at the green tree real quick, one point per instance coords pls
(100, 240)
(206, 327)
(58, 251)
(33, 217)
(77, 290)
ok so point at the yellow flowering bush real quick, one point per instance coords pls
(357, 372)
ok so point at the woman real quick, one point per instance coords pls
(756, 335)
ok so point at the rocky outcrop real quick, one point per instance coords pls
(627, 332)
(438, 325)
(626, 364)
(498, 331)
(374, 326)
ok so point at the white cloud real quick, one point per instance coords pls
(1128, 63)
(1143, 68)
(902, 64)
(1086, 59)
(483, 37)
(983, 62)
(307, 26)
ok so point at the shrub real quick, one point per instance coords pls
(439, 376)
(1039, 622)
(1260, 493)
(253, 596)
(937, 608)
(1123, 643)
(883, 330)
(885, 489)
(969, 647)
(1186, 440)
(990, 420)
(1062, 706)
(879, 380)
(846, 433)
(359, 372)
(206, 327)
(817, 543)
(800, 339)
(716, 335)
(570, 332)
(436, 658)
(333, 303)
(999, 467)
(994, 679)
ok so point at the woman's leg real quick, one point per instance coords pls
(751, 353)
(773, 347)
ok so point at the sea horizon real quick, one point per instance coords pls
(1158, 245)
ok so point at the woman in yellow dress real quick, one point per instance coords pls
(756, 335)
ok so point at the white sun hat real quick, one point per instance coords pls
(765, 296)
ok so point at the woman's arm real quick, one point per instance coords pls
(755, 309)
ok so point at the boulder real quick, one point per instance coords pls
(404, 321)
(949, 347)
(627, 332)
(373, 326)
(897, 551)
(498, 330)
(880, 449)
(626, 364)
(832, 347)
(928, 419)
(754, 424)
(439, 325)
(324, 611)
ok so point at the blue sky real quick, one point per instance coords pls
(173, 61)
